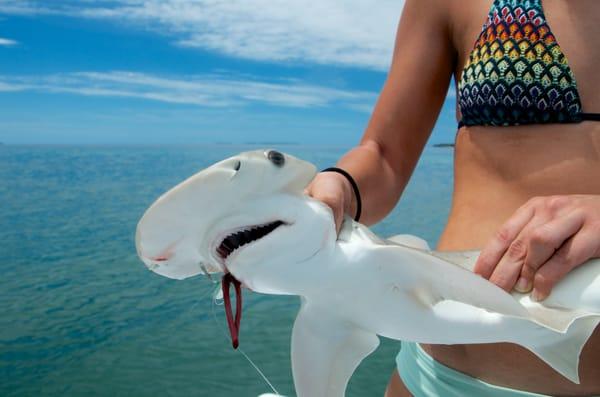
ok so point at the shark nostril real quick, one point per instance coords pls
(237, 165)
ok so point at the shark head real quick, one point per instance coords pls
(246, 215)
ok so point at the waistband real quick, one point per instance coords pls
(425, 377)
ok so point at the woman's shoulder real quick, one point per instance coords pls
(461, 20)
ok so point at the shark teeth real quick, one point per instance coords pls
(245, 236)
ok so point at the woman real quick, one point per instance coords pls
(527, 165)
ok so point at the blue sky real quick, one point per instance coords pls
(194, 71)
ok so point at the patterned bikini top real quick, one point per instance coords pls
(517, 73)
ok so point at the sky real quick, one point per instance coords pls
(195, 71)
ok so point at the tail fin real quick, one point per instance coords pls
(562, 351)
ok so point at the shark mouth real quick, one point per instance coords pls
(245, 236)
(229, 244)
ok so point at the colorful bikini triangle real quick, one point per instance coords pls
(517, 73)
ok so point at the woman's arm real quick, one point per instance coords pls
(402, 120)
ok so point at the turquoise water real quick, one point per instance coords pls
(81, 316)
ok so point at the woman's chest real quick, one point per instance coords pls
(525, 39)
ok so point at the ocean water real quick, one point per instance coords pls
(81, 315)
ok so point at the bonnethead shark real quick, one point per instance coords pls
(248, 218)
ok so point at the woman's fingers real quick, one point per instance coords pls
(536, 243)
(543, 242)
(495, 249)
(527, 252)
(333, 190)
(575, 251)
(508, 269)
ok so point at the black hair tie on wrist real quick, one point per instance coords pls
(354, 187)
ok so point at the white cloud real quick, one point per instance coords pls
(357, 33)
(11, 87)
(7, 42)
(201, 90)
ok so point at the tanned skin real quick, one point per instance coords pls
(527, 196)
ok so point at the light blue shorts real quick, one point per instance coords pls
(425, 377)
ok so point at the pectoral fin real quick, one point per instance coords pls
(326, 350)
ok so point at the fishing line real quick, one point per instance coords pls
(221, 326)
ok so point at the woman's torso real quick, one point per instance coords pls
(497, 169)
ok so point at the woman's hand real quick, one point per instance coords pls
(544, 240)
(334, 190)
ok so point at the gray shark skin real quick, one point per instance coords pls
(354, 286)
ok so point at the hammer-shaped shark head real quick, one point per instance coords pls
(246, 215)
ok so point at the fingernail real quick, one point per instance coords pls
(536, 296)
(523, 285)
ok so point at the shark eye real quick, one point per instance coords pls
(237, 165)
(276, 158)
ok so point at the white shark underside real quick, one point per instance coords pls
(357, 286)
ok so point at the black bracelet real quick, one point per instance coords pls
(354, 187)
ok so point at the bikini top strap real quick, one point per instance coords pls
(590, 116)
